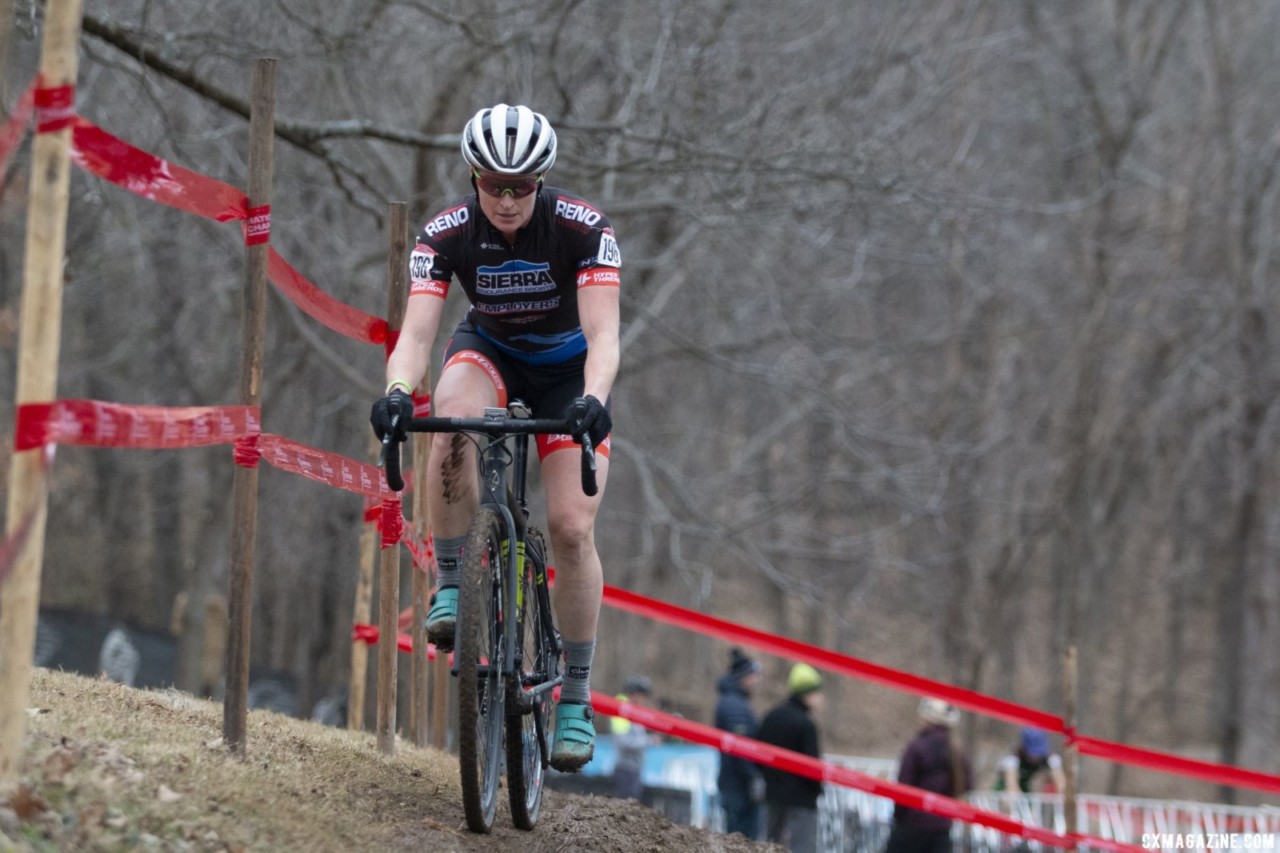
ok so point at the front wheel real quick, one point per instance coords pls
(529, 723)
(478, 657)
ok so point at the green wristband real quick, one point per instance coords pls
(408, 389)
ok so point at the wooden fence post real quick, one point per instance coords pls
(40, 335)
(244, 487)
(389, 576)
(362, 613)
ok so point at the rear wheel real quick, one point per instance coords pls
(479, 661)
(529, 723)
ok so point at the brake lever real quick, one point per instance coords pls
(389, 457)
(589, 486)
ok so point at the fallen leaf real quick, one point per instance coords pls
(92, 814)
(58, 764)
(27, 804)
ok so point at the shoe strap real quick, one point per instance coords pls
(576, 724)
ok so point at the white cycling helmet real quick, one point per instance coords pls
(509, 141)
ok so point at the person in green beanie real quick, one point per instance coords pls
(791, 801)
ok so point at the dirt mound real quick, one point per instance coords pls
(107, 767)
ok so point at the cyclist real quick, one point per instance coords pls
(540, 267)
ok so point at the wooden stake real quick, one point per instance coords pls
(389, 576)
(362, 613)
(244, 486)
(41, 324)
(1070, 754)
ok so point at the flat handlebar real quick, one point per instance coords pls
(389, 459)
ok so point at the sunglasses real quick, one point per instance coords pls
(499, 186)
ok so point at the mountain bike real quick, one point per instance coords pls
(506, 668)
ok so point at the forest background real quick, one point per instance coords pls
(949, 332)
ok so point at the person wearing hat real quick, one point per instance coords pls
(631, 740)
(740, 783)
(934, 761)
(791, 801)
(1033, 768)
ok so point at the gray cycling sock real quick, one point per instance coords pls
(449, 559)
(577, 672)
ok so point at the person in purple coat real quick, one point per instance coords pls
(934, 761)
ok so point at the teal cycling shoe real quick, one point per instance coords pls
(575, 741)
(442, 618)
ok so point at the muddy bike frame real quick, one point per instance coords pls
(504, 562)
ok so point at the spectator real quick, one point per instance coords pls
(934, 761)
(631, 740)
(1033, 768)
(791, 801)
(740, 783)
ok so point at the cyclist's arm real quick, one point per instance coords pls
(412, 354)
(598, 314)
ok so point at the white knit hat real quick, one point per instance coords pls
(938, 712)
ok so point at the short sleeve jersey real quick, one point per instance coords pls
(524, 297)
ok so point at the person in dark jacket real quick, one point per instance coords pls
(933, 761)
(791, 801)
(740, 783)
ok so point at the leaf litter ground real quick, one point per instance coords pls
(110, 768)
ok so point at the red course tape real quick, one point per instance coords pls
(146, 175)
(112, 159)
(369, 634)
(94, 423)
(322, 307)
(829, 660)
(55, 108)
(257, 226)
(323, 467)
(813, 768)
(391, 521)
(987, 705)
(98, 424)
(1223, 774)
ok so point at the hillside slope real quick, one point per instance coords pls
(107, 767)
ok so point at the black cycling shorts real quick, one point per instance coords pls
(547, 389)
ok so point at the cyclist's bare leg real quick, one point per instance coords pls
(571, 519)
(464, 390)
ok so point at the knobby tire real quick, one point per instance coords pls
(481, 695)
(529, 728)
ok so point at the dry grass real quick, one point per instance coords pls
(110, 768)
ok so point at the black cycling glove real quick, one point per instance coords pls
(590, 418)
(386, 409)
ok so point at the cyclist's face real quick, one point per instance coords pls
(512, 207)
